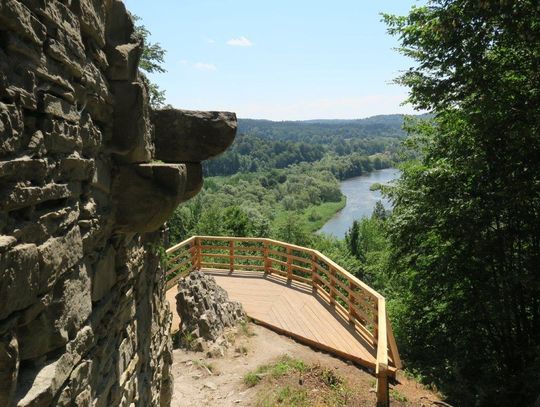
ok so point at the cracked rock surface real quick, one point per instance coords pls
(83, 314)
(205, 309)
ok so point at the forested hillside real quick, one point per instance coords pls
(385, 126)
(264, 145)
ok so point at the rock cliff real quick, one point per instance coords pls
(88, 175)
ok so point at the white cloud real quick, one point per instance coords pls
(201, 66)
(239, 42)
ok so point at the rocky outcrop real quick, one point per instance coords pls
(192, 136)
(205, 309)
(83, 317)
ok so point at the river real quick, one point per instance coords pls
(360, 200)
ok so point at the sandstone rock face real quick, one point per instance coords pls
(83, 315)
(204, 307)
(192, 136)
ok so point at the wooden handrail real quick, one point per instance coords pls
(364, 307)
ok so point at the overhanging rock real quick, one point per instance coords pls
(192, 136)
(146, 194)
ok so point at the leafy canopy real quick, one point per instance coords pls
(152, 58)
(464, 233)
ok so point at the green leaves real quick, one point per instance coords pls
(462, 240)
(152, 58)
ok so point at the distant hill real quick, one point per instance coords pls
(371, 127)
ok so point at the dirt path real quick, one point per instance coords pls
(218, 382)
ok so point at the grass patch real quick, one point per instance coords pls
(316, 216)
(313, 217)
(245, 329)
(285, 396)
(276, 370)
(187, 340)
(251, 379)
(290, 382)
(397, 396)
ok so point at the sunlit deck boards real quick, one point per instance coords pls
(292, 309)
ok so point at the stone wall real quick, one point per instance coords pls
(85, 185)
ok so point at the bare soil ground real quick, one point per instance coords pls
(219, 382)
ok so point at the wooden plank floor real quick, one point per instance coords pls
(291, 309)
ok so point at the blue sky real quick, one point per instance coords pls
(278, 60)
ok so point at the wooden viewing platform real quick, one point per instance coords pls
(298, 292)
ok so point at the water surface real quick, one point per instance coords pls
(360, 200)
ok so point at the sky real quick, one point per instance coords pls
(279, 59)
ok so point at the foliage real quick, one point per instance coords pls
(464, 234)
(283, 366)
(151, 61)
(326, 131)
(345, 158)
(258, 204)
(290, 382)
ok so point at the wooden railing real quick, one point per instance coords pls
(354, 300)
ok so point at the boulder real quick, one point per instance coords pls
(204, 307)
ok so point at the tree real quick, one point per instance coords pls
(464, 232)
(152, 58)
(352, 238)
(379, 212)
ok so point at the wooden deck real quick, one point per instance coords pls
(298, 292)
(291, 308)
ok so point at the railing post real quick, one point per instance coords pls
(231, 256)
(289, 264)
(265, 260)
(199, 253)
(193, 255)
(382, 356)
(383, 399)
(313, 272)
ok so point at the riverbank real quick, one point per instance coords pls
(361, 200)
(313, 217)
